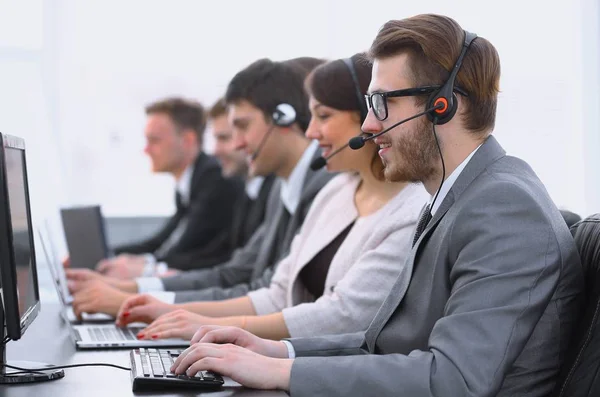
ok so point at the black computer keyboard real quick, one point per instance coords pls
(151, 369)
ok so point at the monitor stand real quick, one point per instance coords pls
(6, 376)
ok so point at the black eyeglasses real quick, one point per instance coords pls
(378, 100)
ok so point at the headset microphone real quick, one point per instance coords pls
(358, 141)
(320, 162)
(262, 143)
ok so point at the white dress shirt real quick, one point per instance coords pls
(291, 188)
(253, 186)
(449, 182)
(446, 186)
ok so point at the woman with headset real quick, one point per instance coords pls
(351, 247)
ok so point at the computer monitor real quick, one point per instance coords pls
(18, 274)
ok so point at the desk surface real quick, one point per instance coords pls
(47, 340)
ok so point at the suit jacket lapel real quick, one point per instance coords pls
(488, 153)
(264, 253)
(202, 162)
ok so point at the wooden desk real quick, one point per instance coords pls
(47, 340)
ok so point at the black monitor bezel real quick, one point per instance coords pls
(16, 325)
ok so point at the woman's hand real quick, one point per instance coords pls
(142, 308)
(176, 324)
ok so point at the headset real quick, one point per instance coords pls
(284, 115)
(320, 162)
(446, 96)
(359, 96)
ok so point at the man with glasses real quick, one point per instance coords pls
(496, 279)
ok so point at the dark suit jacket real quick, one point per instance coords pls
(210, 209)
(252, 266)
(495, 292)
(248, 214)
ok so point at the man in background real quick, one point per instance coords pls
(204, 198)
(249, 209)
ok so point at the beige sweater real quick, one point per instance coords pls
(362, 271)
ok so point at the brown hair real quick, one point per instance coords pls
(218, 109)
(186, 114)
(433, 43)
(332, 85)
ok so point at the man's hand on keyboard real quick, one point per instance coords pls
(242, 338)
(176, 324)
(124, 266)
(142, 308)
(77, 279)
(98, 297)
(242, 365)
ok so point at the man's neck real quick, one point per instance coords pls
(454, 154)
(178, 173)
(295, 149)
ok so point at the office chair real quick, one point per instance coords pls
(570, 218)
(580, 372)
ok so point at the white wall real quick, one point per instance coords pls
(24, 100)
(103, 60)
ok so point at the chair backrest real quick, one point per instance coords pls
(580, 373)
(570, 218)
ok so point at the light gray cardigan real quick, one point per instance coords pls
(362, 271)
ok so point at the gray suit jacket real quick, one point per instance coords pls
(496, 287)
(251, 267)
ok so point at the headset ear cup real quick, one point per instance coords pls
(443, 115)
(284, 115)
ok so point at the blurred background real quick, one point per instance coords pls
(75, 77)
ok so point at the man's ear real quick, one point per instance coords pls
(190, 138)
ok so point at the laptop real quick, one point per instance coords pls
(60, 283)
(98, 331)
(85, 236)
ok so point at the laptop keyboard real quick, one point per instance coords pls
(103, 334)
(152, 367)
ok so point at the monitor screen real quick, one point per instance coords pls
(17, 200)
(18, 276)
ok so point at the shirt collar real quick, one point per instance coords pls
(253, 186)
(184, 184)
(447, 185)
(291, 188)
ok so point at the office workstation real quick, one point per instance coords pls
(373, 211)
(51, 337)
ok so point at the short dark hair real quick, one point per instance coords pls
(332, 85)
(433, 43)
(186, 114)
(218, 109)
(266, 84)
